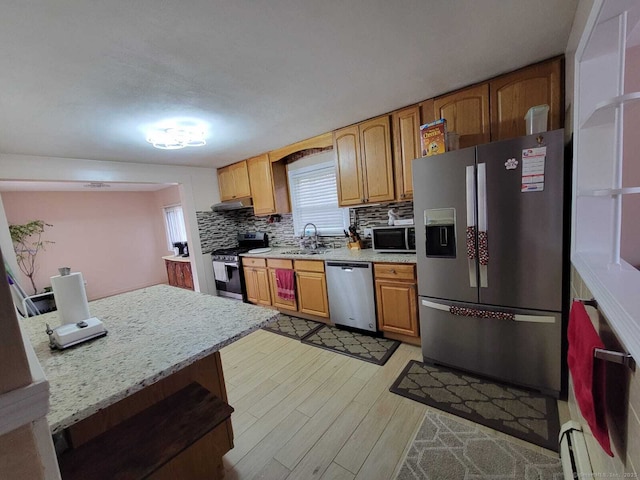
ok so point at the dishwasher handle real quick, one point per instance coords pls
(348, 266)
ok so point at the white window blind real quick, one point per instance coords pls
(314, 198)
(174, 221)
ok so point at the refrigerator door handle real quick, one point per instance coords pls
(479, 313)
(471, 225)
(483, 240)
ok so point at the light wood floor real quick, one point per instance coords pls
(306, 413)
(302, 412)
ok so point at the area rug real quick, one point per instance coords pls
(364, 347)
(445, 449)
(292, 327)
(527, 415)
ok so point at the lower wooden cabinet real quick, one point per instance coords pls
(274, 264)
(256, 278)
(179, 274)
(311, 286)
(397, 299)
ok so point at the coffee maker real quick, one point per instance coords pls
(183, 249)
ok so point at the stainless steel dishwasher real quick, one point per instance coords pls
(351, 295)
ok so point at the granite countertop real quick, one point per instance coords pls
(339, 254)
(153, 332)
(176, 258)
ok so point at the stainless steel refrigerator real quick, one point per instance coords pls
(490, 247)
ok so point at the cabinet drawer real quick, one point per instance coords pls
(254, 262)
(395, 271)
(279, 263)
(309, 265)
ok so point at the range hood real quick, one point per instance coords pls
(232, 205)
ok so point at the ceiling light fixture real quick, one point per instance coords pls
(97, 185)
(176, 138)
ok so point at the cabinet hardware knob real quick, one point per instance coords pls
(392, 271)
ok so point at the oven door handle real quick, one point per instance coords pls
(234, 265)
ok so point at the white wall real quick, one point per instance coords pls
(198, 191)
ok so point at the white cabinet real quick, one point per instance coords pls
(606, 201)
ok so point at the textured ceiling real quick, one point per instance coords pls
(83, 79)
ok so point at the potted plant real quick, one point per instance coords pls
(27, 243)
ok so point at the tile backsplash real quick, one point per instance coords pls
(219, 229)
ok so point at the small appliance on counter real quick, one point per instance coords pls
(76, 323)
(183, 249)
(394, 239)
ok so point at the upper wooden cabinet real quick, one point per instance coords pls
(268, 183)
(406, 147)
(234, 181)
(467, 114)
(364, 162)
(513, 94)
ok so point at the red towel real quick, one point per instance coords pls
(284, 282)
(588, 373)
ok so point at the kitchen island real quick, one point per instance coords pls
(160, 339)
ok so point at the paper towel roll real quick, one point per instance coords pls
(70, 297)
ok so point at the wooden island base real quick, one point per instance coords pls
(201, 459)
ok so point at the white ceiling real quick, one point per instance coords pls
(45, 186)
(82, 79)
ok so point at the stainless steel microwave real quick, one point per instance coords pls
(397, 238)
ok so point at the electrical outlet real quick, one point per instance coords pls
(367, 233)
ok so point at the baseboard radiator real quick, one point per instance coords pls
(573, 452)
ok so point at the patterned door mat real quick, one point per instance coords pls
(527, 415)
(292, 327)
(447, 449)
(364, 347)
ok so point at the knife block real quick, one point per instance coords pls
(355, 245)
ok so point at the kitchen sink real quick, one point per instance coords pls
(305, 252)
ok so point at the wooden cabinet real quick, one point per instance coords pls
(269, 188)
(397, 298)
(364, 162)
(467, 114)
(179, 274)
(233, 181)
(273, 264)
(513, 94)
(406, 147)
(256, 278)
(311, 286)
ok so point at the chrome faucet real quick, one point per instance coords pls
(310, 242)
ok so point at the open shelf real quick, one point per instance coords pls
(608, 192)
(604, 112)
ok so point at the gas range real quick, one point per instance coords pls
(246, 242)
(228, 254)
(227, 266)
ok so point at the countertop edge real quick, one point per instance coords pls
(364, 255)
(87, 412)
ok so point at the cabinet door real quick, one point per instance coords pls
(467, 114)
(171, 273)
(262, 281)
(225, 182)
(261, 182)
(187, 275)
(513, 94)
(312, 293)
(377, 162)
(346, 144)
(277, 301)
(251, 284)
(240, 175)
(397, 307)
(406, 147)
